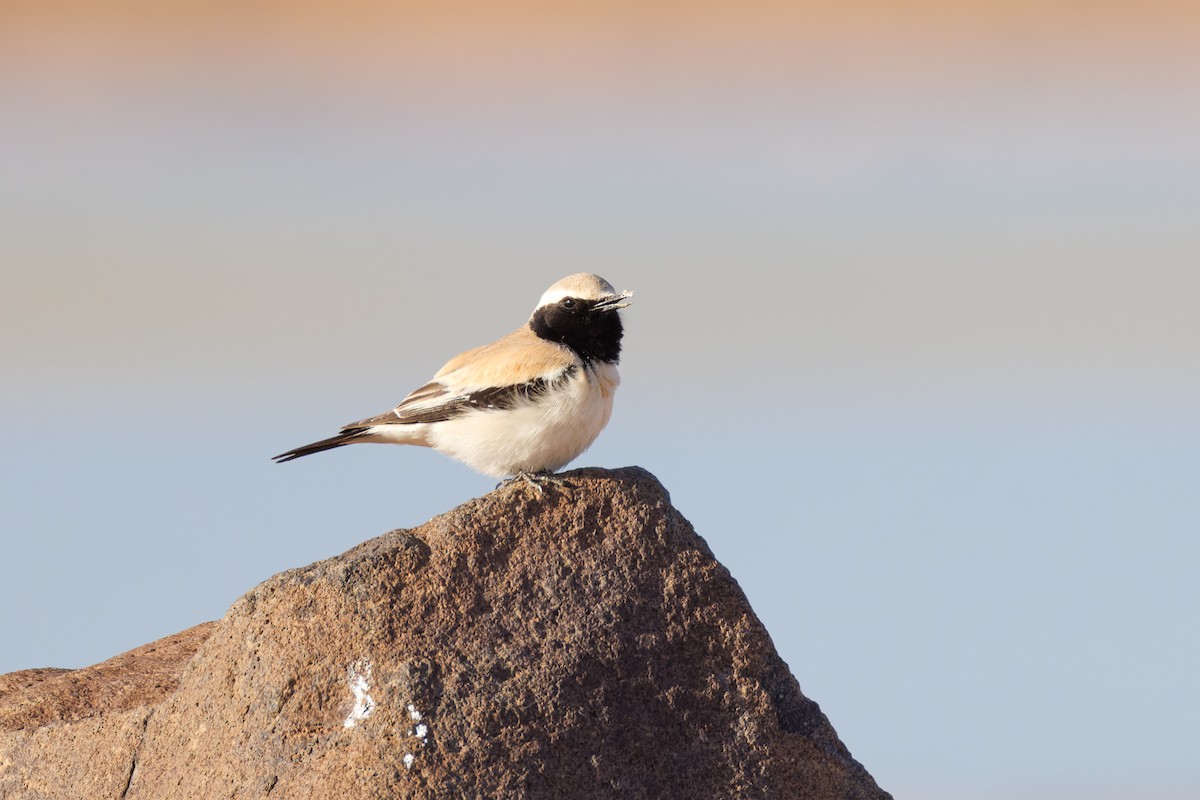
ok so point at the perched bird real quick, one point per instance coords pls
(522, 406)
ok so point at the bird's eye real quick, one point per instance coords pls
(568, 302)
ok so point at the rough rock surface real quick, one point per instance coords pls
(74, 733)
(582, 643)
(142, 677)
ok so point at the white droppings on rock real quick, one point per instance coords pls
(359, 675)
(420, 732)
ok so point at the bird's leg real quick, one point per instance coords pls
(537, 480)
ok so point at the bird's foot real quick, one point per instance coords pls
(536, 480)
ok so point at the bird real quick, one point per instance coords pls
(523, 406)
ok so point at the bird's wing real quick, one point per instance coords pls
(497, 375)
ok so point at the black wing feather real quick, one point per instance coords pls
(499, 397)
(345, 437)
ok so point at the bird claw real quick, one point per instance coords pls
(536, 480)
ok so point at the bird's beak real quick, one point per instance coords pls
(613, 302)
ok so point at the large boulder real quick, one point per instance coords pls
(581, 642)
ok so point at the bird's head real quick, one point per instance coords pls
(580, 311)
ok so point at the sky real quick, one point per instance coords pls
(914, 343)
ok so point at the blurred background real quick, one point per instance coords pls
(915, 343)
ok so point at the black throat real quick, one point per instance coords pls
(594, 335)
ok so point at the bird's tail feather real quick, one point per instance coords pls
(343, 438)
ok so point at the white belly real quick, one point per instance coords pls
(538, 435)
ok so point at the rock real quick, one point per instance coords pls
(74, 733)
(580, 643)
(142, 677)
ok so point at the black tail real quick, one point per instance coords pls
(345, 437)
